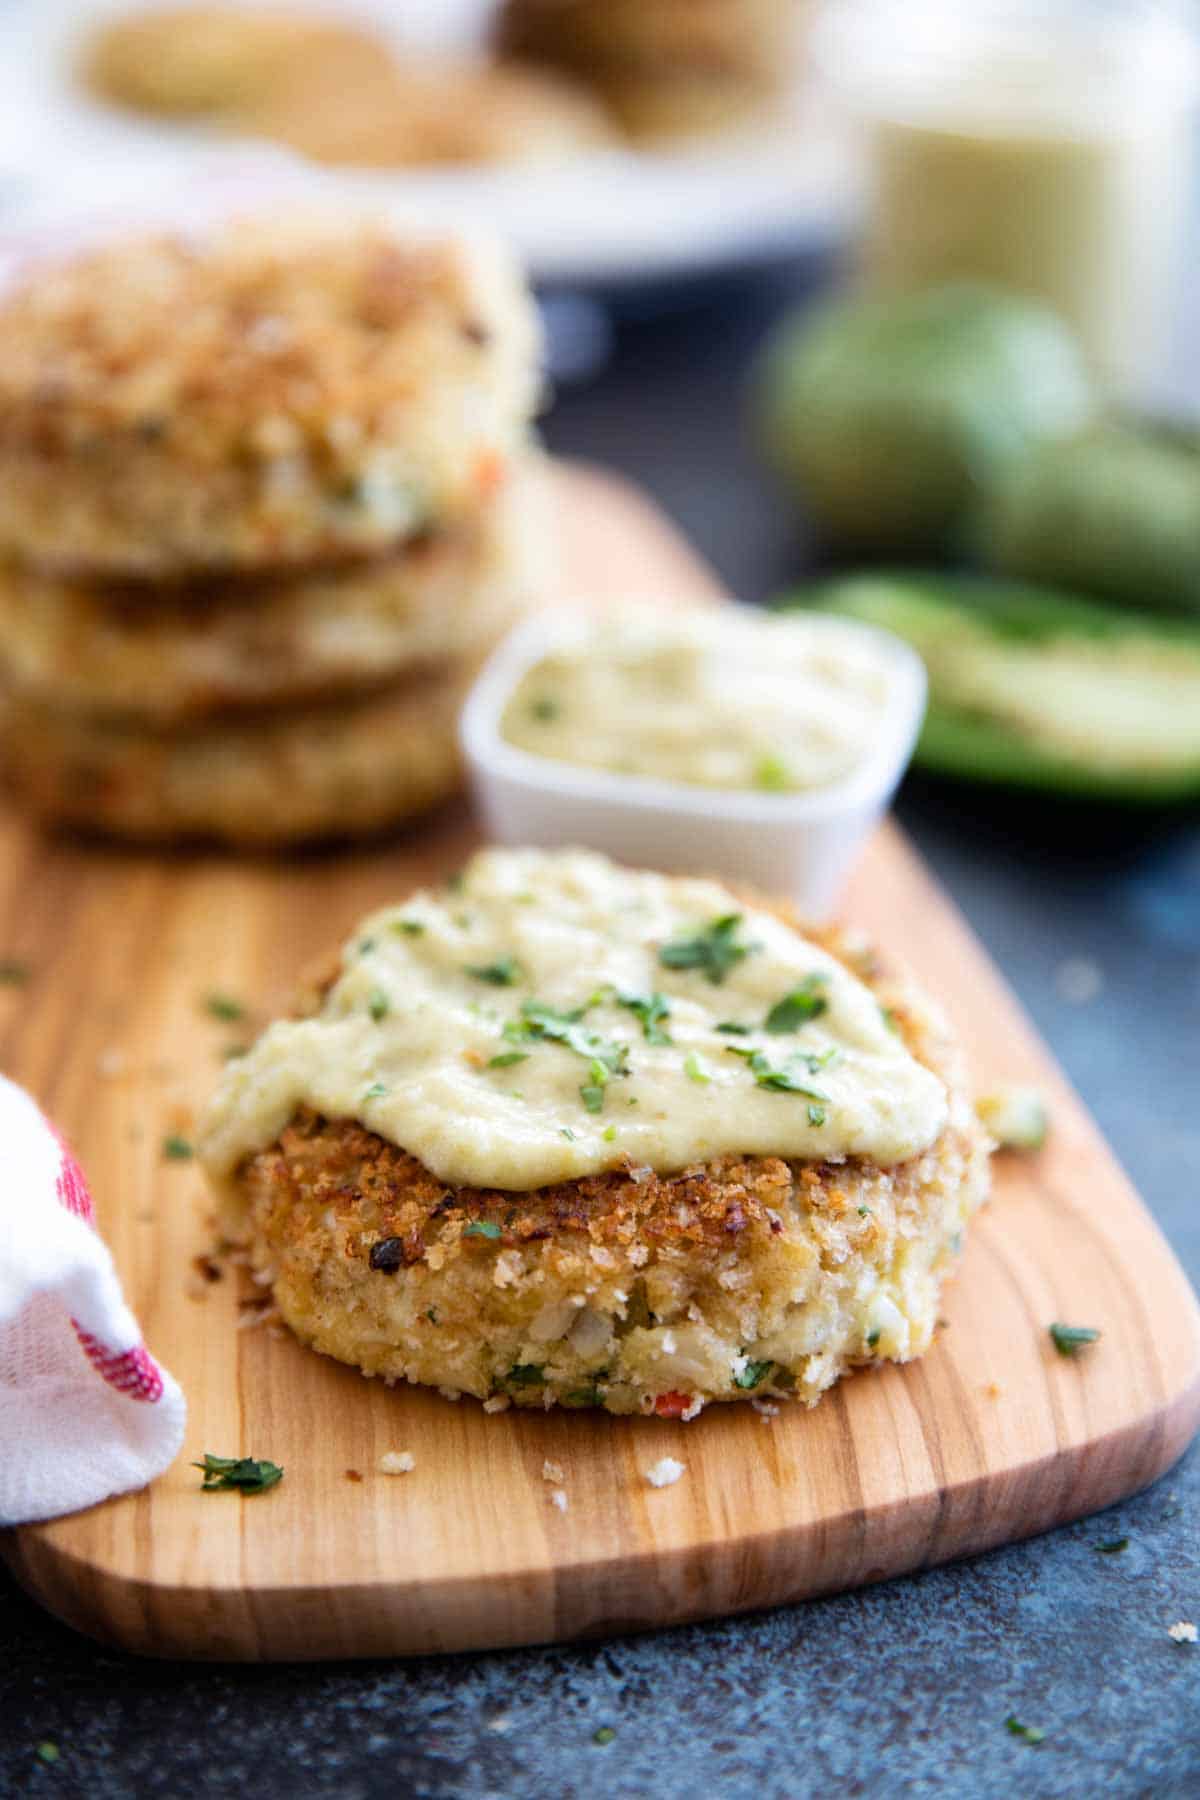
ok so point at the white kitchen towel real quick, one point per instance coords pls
(85, 1411)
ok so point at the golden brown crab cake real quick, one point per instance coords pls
(434, 113)
(663, 67)
(170, 654)
(639, 1289)
(207, 61)
(342, 769)
(274, 393)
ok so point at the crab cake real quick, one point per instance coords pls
(566, 1132)
(453, 112)
(301, 774)
(273, 394)
(205, 61)
(663, 67)
(168, 655)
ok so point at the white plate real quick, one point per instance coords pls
(607, 217)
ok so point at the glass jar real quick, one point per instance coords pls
(1044, 145)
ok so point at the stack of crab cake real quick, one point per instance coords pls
(267, 497)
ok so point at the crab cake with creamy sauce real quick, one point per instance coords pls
(569, 1133)
(168, 654)
(271, 394)
(193, 62)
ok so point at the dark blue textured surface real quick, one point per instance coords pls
(902, 1689)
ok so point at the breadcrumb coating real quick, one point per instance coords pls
(174, 653)
(278, 392)
(304, 774)
(746, 1277)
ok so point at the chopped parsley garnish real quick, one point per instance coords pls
(544, 708)
(224, 1007)
(504, 972)
(177, 1149)
(1112, 1546)
(889, 1018)
(1028, 1734)
(565, 1131)
(239, 1474)
(378, 1004)
(714, 951)
(777, 1081)
(753, 1374)
(409, 927)
(366, 947)
(589, 1396)
(13, 972)
(47, 1751)
(1069, 1340)
(797, 1007)
(873, 1337)
(603, 1734)
(482, 1228)
(526, 1375)
(651, 1010)
(376, 1091)
(609, 1134)
(731, 1028)
(592, 1091)
(539, 1022)
(694, 1069)
(507, 1058)
(772, 774)
(864, 1212)
(816, 1115)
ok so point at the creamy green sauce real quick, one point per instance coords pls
(553, 1015)
(724, 698)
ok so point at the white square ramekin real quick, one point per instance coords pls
(799, 845)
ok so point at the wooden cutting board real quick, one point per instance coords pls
(991, 1437)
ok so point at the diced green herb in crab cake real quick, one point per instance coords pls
(580, 1135)
(1033, 688)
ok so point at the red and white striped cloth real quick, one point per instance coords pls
(85, 1411)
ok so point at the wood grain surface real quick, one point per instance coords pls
(991, 1437)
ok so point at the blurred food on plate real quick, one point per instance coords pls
(267, 498)
(556, 79)
(335, 91)
(887, 418)
(665, 68)
(1033, 688)
(220, 61)
(1041, 144)
(428, 111)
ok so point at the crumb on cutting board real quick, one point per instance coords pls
(665, 1472)
(397, 1462)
